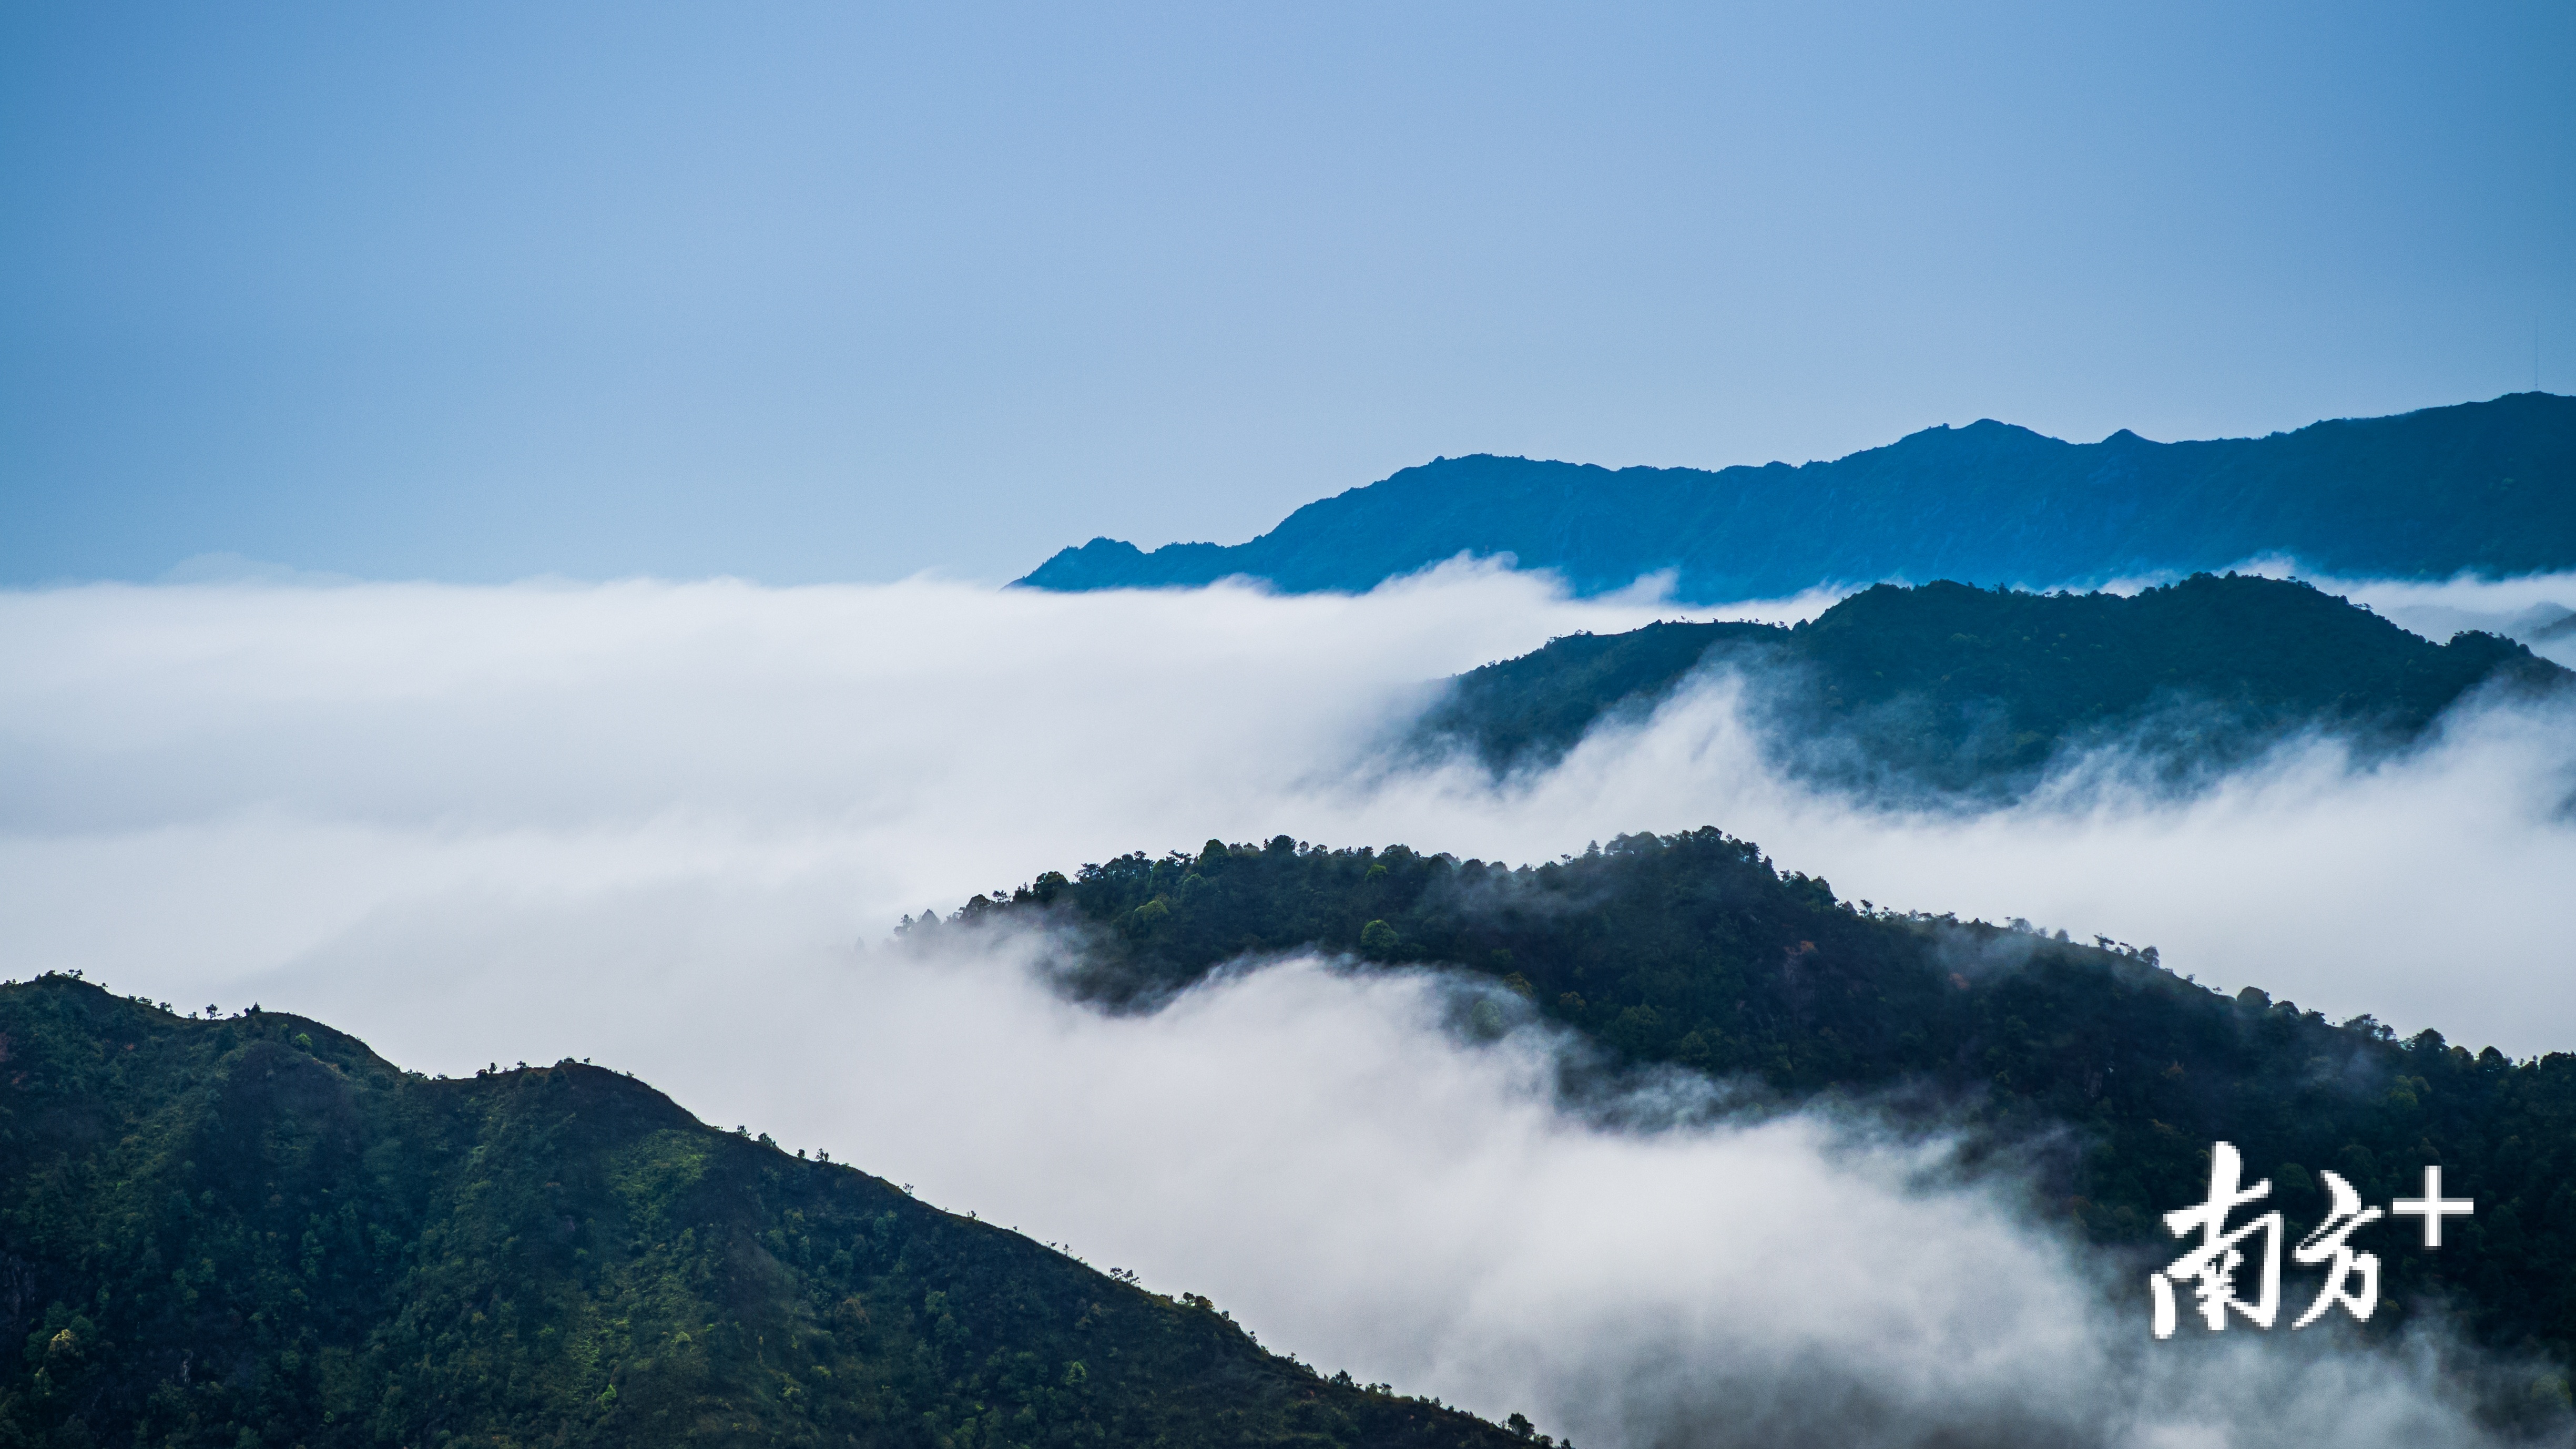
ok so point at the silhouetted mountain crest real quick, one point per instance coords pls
(2489, 487)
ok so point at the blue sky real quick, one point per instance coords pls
(809, 293)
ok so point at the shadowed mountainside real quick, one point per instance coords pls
(1957, 689)
(254, 1231)
(2106, 1074)
(2486, 486)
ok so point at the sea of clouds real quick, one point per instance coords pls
(668, 827)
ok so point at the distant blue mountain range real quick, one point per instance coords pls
(2489, 487)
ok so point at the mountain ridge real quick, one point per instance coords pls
(1695, 950)
(253, 1230)
(1967, 691)
(2489, 486)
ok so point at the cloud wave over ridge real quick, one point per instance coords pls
(647, 823)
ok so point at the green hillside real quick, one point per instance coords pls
(2105, 1074)
(1963, 689)
(254, 1232)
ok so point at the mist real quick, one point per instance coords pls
(204, 786)
(668, 827)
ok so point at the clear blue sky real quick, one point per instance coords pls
(802, 293)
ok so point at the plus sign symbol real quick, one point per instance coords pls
(2432, 1207)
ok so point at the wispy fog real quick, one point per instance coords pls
(1370, 1188)
(2426, 889)
(652, 824)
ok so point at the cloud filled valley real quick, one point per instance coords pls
(669, 828)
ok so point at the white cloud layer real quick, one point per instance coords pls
(647, 823)
(206, 784)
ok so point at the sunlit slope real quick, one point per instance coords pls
(1693, 950)
(254, 1230)
(2486, 486)
(1956, 688)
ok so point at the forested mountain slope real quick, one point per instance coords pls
(2485, 486)
(1693, 950)
(1962, 689)
(253, 1231)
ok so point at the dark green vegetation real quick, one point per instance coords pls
(254, 1232)
(1967, 689)
(2488, 486)
(1693, 950)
